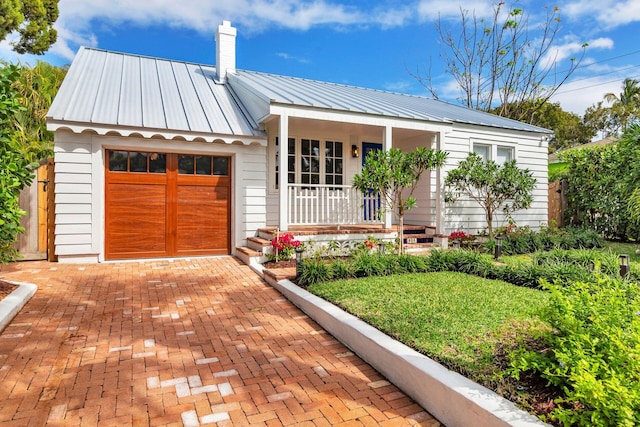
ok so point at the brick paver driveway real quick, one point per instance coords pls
(183, 342)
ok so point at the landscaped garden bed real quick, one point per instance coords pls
(568, 352)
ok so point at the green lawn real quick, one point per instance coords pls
(623, 248)
(454, 318)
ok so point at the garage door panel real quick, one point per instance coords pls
(136, 220)
(163, 211)
(203, 220)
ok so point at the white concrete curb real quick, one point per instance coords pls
(13, 303)
(451, 398)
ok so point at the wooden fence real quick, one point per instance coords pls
(37, 200)
(557, 202)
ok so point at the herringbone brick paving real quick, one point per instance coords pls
(179, 342)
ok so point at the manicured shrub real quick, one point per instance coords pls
(593, 353)
(412, 263)
(341, 269)
(313, 270)
(586, 259)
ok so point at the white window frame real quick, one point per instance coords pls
(298, 160)
(493, 148)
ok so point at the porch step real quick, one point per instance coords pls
(250, 256)
(418, 234)
(419, 248)
(258, 244)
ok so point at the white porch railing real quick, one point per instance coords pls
(313, 204)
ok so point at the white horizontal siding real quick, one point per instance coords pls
(73, 228)
(531, 153)
(251, 182)
(74, 210)
(73, 168)
(73, 239)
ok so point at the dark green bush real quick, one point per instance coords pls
(341, 269)
(591, 261)
(412, 264)
(523, 240)
(313, 270)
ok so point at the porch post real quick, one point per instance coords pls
(387, 144)
(436, 144)
(283, 218)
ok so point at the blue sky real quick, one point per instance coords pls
(362, 43)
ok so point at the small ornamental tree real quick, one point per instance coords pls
(491, 185)
(394, 175)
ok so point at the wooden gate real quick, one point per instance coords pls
(37, 242)
(557, 202)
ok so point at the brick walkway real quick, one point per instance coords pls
(184, 342)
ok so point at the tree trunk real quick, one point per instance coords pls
(401, 233)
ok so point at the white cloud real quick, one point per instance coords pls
(610, 13)
(578, 95)
(294, 58)
(434, 9)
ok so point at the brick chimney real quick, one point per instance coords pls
(225, 50)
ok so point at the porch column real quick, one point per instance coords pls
(283, 218)
(387, 144)
(436, 144)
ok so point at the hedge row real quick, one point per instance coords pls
(555, 266)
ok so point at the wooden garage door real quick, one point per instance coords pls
(166, 204)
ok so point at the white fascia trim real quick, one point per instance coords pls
(75, 127)
(358, 118)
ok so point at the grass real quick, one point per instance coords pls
(623, 248)
(454, 318)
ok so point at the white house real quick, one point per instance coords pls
(161, 158)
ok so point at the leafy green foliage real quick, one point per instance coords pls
(601, 182)
(594, 353)
(16, 172)
(568, 129)
(491, 185)
(524, 240)
(33, 20)
(394, 175)
(36, 87)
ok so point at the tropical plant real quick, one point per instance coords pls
(36, 86)
(16, 172)
(394, 175)
(491, 185)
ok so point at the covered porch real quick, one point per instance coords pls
(324, 150)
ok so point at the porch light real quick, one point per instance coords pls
(624, 265)
(299, 252)
(354, 151)
(497, 250)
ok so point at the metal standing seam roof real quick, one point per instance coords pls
(116, 89)
(312, 93)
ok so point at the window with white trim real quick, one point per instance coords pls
(312, 161)
(498, 153)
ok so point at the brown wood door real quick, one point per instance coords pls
(173, 206)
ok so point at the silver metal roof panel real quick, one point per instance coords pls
(312, 93)
(114, 89)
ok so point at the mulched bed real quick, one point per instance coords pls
(270, 265)
(6, 289)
